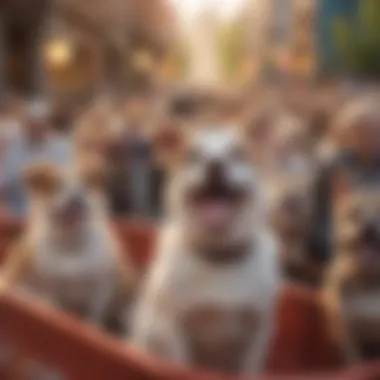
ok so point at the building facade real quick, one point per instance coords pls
(70, 47)
(282, 35)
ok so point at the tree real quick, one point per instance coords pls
(358, 41)
(21, 29)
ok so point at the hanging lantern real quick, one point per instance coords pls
(59, 52)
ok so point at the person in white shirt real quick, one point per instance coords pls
(35, 142)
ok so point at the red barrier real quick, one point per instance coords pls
(37, 343)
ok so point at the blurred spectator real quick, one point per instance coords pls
(289, 210)
(34, 142)
(91, 130)
(356, 134)
(146, 176)
(119, 134)
(61, 119)
(292, 153)
(134, 180)
(118, 158)
(140, 153)
(260, 134)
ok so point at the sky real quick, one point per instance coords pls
(225, 8)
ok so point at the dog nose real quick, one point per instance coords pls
(216, 171)
(75, 202)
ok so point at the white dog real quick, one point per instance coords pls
(210, 298)
(68, 255)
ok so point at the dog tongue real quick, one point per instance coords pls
(216, 213)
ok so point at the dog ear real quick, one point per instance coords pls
(41, 179)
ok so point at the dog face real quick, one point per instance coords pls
(66, 199)
(214, 190)
(357, 226)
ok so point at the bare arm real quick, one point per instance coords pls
(333, 297)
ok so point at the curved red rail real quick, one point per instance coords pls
(37, 343)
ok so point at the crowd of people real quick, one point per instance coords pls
(32, 134)
(316, 152)
(307, 142)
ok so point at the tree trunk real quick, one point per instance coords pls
(21, 62)
(35, 71)
(2, 57)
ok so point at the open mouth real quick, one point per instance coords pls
(216, 205)
(71, 216)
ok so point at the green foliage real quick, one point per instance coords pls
(358, 41)
(231, 48)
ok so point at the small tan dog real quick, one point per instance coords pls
(352, 289)
(210, 297)
(68, 255)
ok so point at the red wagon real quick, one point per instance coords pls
(41, 344)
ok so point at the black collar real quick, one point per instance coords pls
(224, 255)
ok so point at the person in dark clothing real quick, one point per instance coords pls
(134, 180)
(133, 183)
(118, 184)
(356, 164)
(146, 176)
(158, 182)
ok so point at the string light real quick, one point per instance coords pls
(59, 52)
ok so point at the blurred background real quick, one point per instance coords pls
(122, 77)
(74, 49)
(165, 61)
